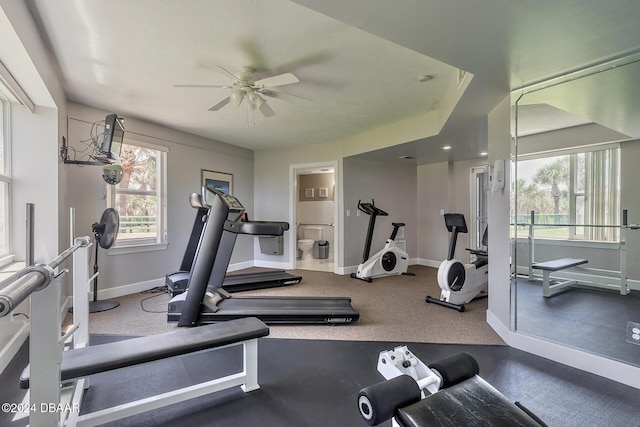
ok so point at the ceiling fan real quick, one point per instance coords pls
(247, 84)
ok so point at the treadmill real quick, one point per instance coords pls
(177, 281)
(205, 301)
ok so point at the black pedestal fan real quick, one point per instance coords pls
(105, 233)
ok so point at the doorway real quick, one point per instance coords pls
(479, 202)
(313, 200)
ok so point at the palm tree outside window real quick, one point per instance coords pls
(140, 198)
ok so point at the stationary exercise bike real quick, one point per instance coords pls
(390, 260)
(461, 283)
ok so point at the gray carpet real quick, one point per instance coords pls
(313, 381)
(391, 309)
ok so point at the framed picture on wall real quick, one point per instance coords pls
(308, 192)
(323, 192)
(217, 180)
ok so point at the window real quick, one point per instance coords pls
(5, 182)
(140, 198)
(576, 189)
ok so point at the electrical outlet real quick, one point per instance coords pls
(633, 333)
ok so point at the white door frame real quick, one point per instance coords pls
(293, 232)
(475, 234)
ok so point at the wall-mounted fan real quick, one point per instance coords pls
(248, 85)
(105, 233)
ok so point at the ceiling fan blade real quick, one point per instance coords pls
(266, 110)
(220, 104)
(213, 86)
(283, 96)
(279, 80)
(227, 73)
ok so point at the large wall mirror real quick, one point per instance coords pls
(575, 181)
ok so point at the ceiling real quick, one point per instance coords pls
(358, 63)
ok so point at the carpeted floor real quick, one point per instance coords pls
(310, 375)
(391, 309)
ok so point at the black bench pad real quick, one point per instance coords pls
(473, 402)
(105, 357)
(558, 264)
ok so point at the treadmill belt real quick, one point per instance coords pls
(260, 280)
(282, 310)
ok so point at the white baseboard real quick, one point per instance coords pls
(350, 269)
(270, 264)
(133, 288)
(8, 352)
(598, 365)
(428, 262)
(242, 265)
(341, 270)
(129, 289)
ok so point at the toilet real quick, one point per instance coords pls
(309, 236)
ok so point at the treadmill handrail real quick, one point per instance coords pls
(257, 228)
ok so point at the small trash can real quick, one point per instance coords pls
(323, 249)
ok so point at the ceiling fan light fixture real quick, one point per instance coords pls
(259, 101)
(255, 100)
(252, 97)
(236, 96)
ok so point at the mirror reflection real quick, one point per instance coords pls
(575, 206)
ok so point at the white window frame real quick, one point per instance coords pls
(5, 178)
(574, 234)
(160, 241)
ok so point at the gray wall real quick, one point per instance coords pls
(443, 187)
(630, 199)
(273, 182)
(499, 139)
(433, 196)
(35, 150)
(393, 187)
(188, 154)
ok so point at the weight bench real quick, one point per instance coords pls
(471, 402)
(82, 362)
(446, 393)
(549, 267)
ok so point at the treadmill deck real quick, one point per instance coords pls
(281, 310)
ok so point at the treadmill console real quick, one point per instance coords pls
(230, 202)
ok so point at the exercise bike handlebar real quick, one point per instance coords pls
(371, 209)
